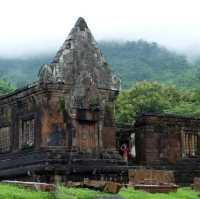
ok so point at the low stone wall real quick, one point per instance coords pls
(196, 184)
(154, 181)
(149, 176)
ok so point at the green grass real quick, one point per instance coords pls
(78, 193)
(182, 193)
(13, 192)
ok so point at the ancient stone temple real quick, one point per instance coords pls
(169, 142)
(62, 128)
(166, 138)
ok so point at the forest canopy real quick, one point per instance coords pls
(132, 61)
(153, 97)
(6, 87)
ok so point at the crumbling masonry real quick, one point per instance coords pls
(62, 128)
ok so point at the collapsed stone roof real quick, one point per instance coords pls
(79, 61)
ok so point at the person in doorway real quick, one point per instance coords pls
(125, 152)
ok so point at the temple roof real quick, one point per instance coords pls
(80, 60)
(81, 24)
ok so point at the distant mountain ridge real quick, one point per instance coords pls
(141, 60)
(132, 61)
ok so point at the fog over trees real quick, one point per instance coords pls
(154, 78)
(132, 61)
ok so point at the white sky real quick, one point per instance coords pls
(28, 26)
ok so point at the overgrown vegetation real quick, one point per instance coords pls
(154, 97)
(13, 192)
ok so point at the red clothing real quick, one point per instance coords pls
(125, 154)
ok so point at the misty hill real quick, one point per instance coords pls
(132, 61)
(21, 71)
(141, 60)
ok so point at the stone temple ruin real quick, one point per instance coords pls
(171, 143)
(62, 128)
(164, 142)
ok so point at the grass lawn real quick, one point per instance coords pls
(182, 193)
(13, 192)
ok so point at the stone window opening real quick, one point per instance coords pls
(26, 138)
(190, 144)
(5, 141)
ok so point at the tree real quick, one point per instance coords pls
(154, 97)
(5, 87)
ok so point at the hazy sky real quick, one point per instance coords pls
(40, 25)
